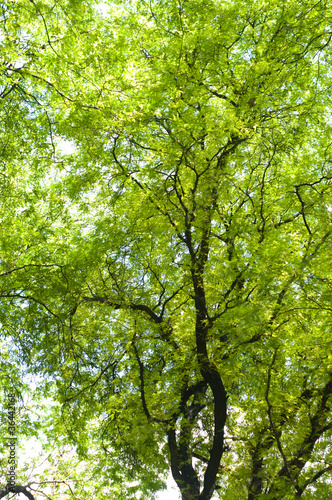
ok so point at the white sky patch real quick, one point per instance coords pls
(66, 147)
(103, 8)
(171, 493)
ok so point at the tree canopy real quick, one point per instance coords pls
(166, 238)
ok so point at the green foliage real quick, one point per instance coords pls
(179, 251)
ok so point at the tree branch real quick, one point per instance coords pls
(133, 307)
(142, 391)
(16, 489)
(269, 412)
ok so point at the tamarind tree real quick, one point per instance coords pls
(173, 283)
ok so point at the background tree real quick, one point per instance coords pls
(181, 304)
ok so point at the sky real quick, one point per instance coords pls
(171, 493)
